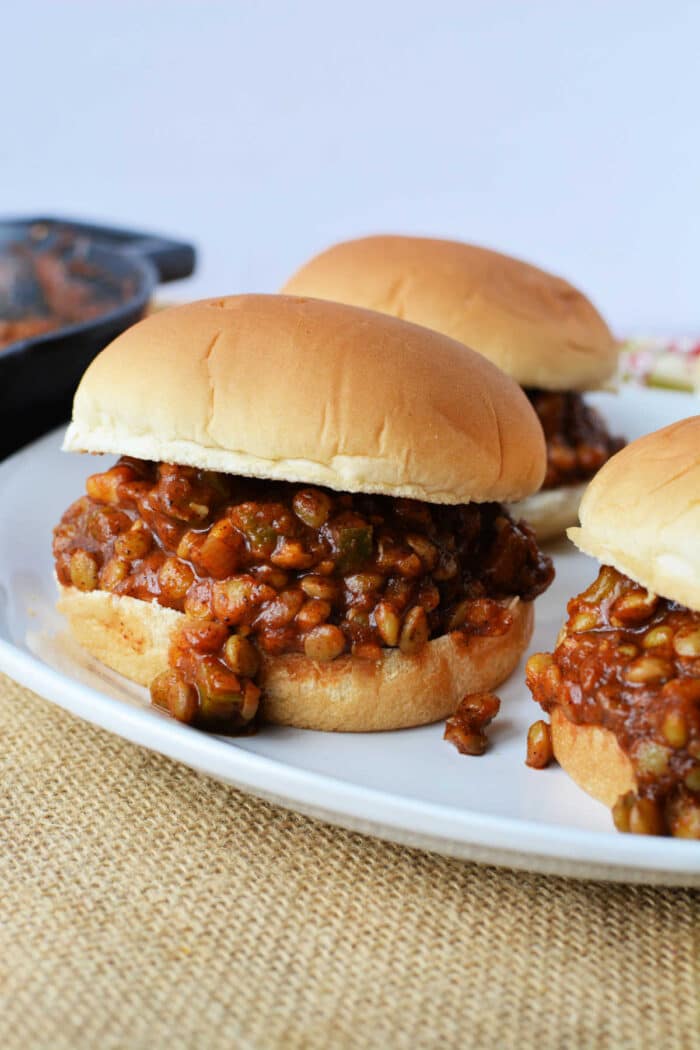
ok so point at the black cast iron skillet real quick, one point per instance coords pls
(120, 268)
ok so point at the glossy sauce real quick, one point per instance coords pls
(290, 569)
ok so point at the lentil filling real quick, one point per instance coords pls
(272, 568)
(578, 442)
(629, 661)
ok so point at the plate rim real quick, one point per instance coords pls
(517, 842)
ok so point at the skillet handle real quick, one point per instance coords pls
(171, 259)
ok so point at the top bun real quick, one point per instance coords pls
(537, 328)
(641, 513)
(301, 390)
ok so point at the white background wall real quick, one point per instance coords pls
(566, 132)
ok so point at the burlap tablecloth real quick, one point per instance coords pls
(144, 906)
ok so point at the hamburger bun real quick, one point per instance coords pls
(592, 757)
(133, 637)
(534, 326)
(641, 513)
(301, 390)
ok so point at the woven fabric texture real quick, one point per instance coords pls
(144, 906)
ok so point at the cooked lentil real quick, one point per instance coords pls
(539, 745)
(466, 729)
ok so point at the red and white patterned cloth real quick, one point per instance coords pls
(672, 363)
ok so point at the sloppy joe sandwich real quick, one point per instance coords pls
(306, 516)
(536, 327)
(622, 686)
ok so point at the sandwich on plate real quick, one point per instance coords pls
(306, 520)
(536, 327)
(622, 686)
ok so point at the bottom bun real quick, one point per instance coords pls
(552, 511)
(133, 636)
(593, 758)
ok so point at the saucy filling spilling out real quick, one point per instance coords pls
(270, 568)
(578, 442)
(629, 661)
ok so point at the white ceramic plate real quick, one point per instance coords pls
(408, 786)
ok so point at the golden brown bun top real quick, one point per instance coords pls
(641, 513)
(537, 328)
(302, 390)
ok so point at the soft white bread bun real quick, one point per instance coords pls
(551, 511)
(641, 513)
(593, 758)
(536, 327)
(133, 636)
(302, 390)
